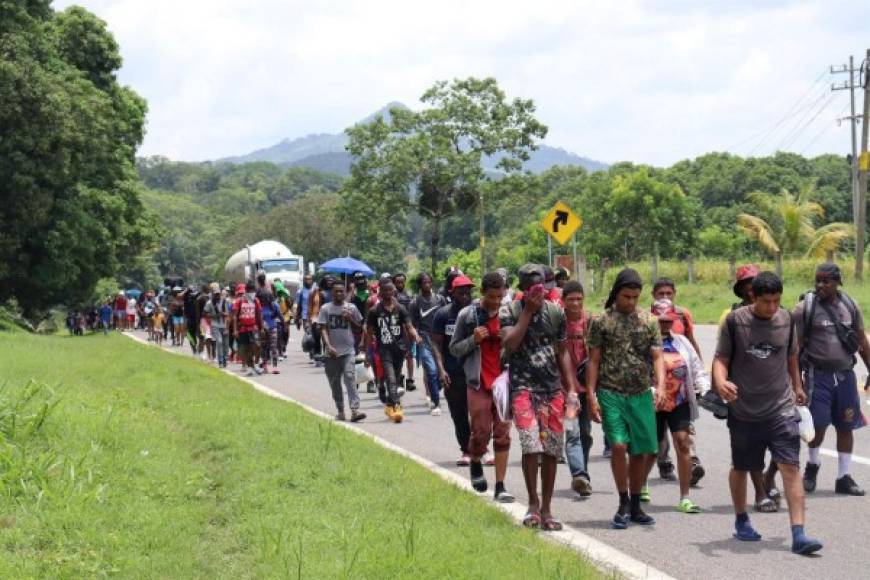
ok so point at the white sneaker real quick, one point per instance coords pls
(488, 459)
(435, 412)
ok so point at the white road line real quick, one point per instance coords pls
(855, 458)
(605, 557)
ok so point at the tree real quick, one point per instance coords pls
(69, 197)
(429, 161)
(786, 224)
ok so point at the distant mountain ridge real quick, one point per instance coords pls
(326, 152)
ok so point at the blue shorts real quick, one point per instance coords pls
(836, 400)
(177, 320)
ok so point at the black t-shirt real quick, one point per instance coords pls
(423, 312)
(389, 326)
(444, 323)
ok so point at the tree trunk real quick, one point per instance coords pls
(434, 242)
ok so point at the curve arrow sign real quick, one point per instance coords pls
(560, 219)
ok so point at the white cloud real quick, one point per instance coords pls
(649, 82)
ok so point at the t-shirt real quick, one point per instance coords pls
(247, 309)
(823, 346)
(444, 324)
(684, 322)
(423, 311)
(490, 351)
(759, 366)
(271, 315)
(304, 295)
(105, 313)
(216, 312)
(389, 326)
(121, 303)
(534, 365)
(403, 298)
(340, 331)
(626, 342)
(577, 330)
(676, 375)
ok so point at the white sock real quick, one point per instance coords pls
(844, 463)
(814, 455)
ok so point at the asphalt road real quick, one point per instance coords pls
(685, 546)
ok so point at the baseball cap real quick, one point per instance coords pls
(240, 289)
(529, 271)
(744, 273)
(461, 280)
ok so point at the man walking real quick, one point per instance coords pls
(534, 336)
(625, 360)
(423, 309)
(247, 323)
(756, 372)
(404, 299)
(339, 320)
(830, 329)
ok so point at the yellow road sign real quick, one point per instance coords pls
(864, 161)
(561, 223)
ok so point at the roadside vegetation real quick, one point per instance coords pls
(121, 460)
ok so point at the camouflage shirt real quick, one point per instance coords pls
(626, 341)
(535, 365)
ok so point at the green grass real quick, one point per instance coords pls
(711, 292)
(120, 460)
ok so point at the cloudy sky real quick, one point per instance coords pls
(651, 82)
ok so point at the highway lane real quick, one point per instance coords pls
(685, 546)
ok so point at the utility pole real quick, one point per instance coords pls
(863, 165)
(856, 204)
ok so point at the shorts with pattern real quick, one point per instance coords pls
(835, 400)
(539, 419)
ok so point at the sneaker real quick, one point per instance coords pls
(356, 416)
(687, 506)
(642, 518)
(275, 371)
(257, 371)
(746, 533)
(504, 496)
(248, 373)
(666, 471)
(478, 481)
(340, 416)
(619, 521)
(464, 460)
(400, 392)
(435, 412)
(645, 495)
(581, 485)
(847, 486)
(398, 414)
(607, 453)
(810, 473)
(370, 387)
(410, 385)
(488, 459)
(805, 545)
(697, 474)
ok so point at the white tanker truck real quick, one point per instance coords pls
(273, 258)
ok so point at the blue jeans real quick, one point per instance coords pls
(427, 361)
(578, 439)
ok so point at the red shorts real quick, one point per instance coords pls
(539, 419)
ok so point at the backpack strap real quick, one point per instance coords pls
(809, 312)
(731, 324)
(853, 308)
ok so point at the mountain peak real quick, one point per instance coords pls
(384, 112)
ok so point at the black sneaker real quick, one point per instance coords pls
(810, 473)
(410, 385)
(847, 486)
(697, 473)
(370, 387)
(478, 480)
(666, 471)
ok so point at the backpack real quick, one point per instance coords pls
(248, 312)
(547, 308)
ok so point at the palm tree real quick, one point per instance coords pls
(790, 228)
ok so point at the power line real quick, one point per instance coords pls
(789, 139)
(793, 109)
(824, 130)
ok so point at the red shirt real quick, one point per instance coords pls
(490, 354)
(246, 308)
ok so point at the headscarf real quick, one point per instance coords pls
(627, 277)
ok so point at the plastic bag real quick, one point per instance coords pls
(364, 374)
(807, 429)
(501, 395)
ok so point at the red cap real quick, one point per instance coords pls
(747, 272)
(461, 280)
(240, 289)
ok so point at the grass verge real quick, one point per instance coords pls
(121, 460)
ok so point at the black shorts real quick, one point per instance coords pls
(750, 440)
(679, 419)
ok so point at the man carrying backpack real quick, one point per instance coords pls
(831, 330)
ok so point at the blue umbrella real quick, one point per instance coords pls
(346, 266)
(133, 293)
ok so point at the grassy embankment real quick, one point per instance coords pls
(117, 459)
(711, 292)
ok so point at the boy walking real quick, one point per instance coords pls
(340, 320)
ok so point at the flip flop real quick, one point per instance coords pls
(551, 524)
(532, 520)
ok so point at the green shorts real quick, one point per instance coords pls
(629, 419)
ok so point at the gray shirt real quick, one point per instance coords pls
(340, 331)
(823, 346)
(759, 366)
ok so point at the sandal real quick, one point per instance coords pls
(532, 520)
(767, 506)
(775, 496)
(687, 506)
(551, 524)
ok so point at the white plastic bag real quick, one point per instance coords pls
(363, 374)
(501, 395)
(807, 429)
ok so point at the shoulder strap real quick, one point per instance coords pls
(731, 324)
(853, 308)
(809, 311)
